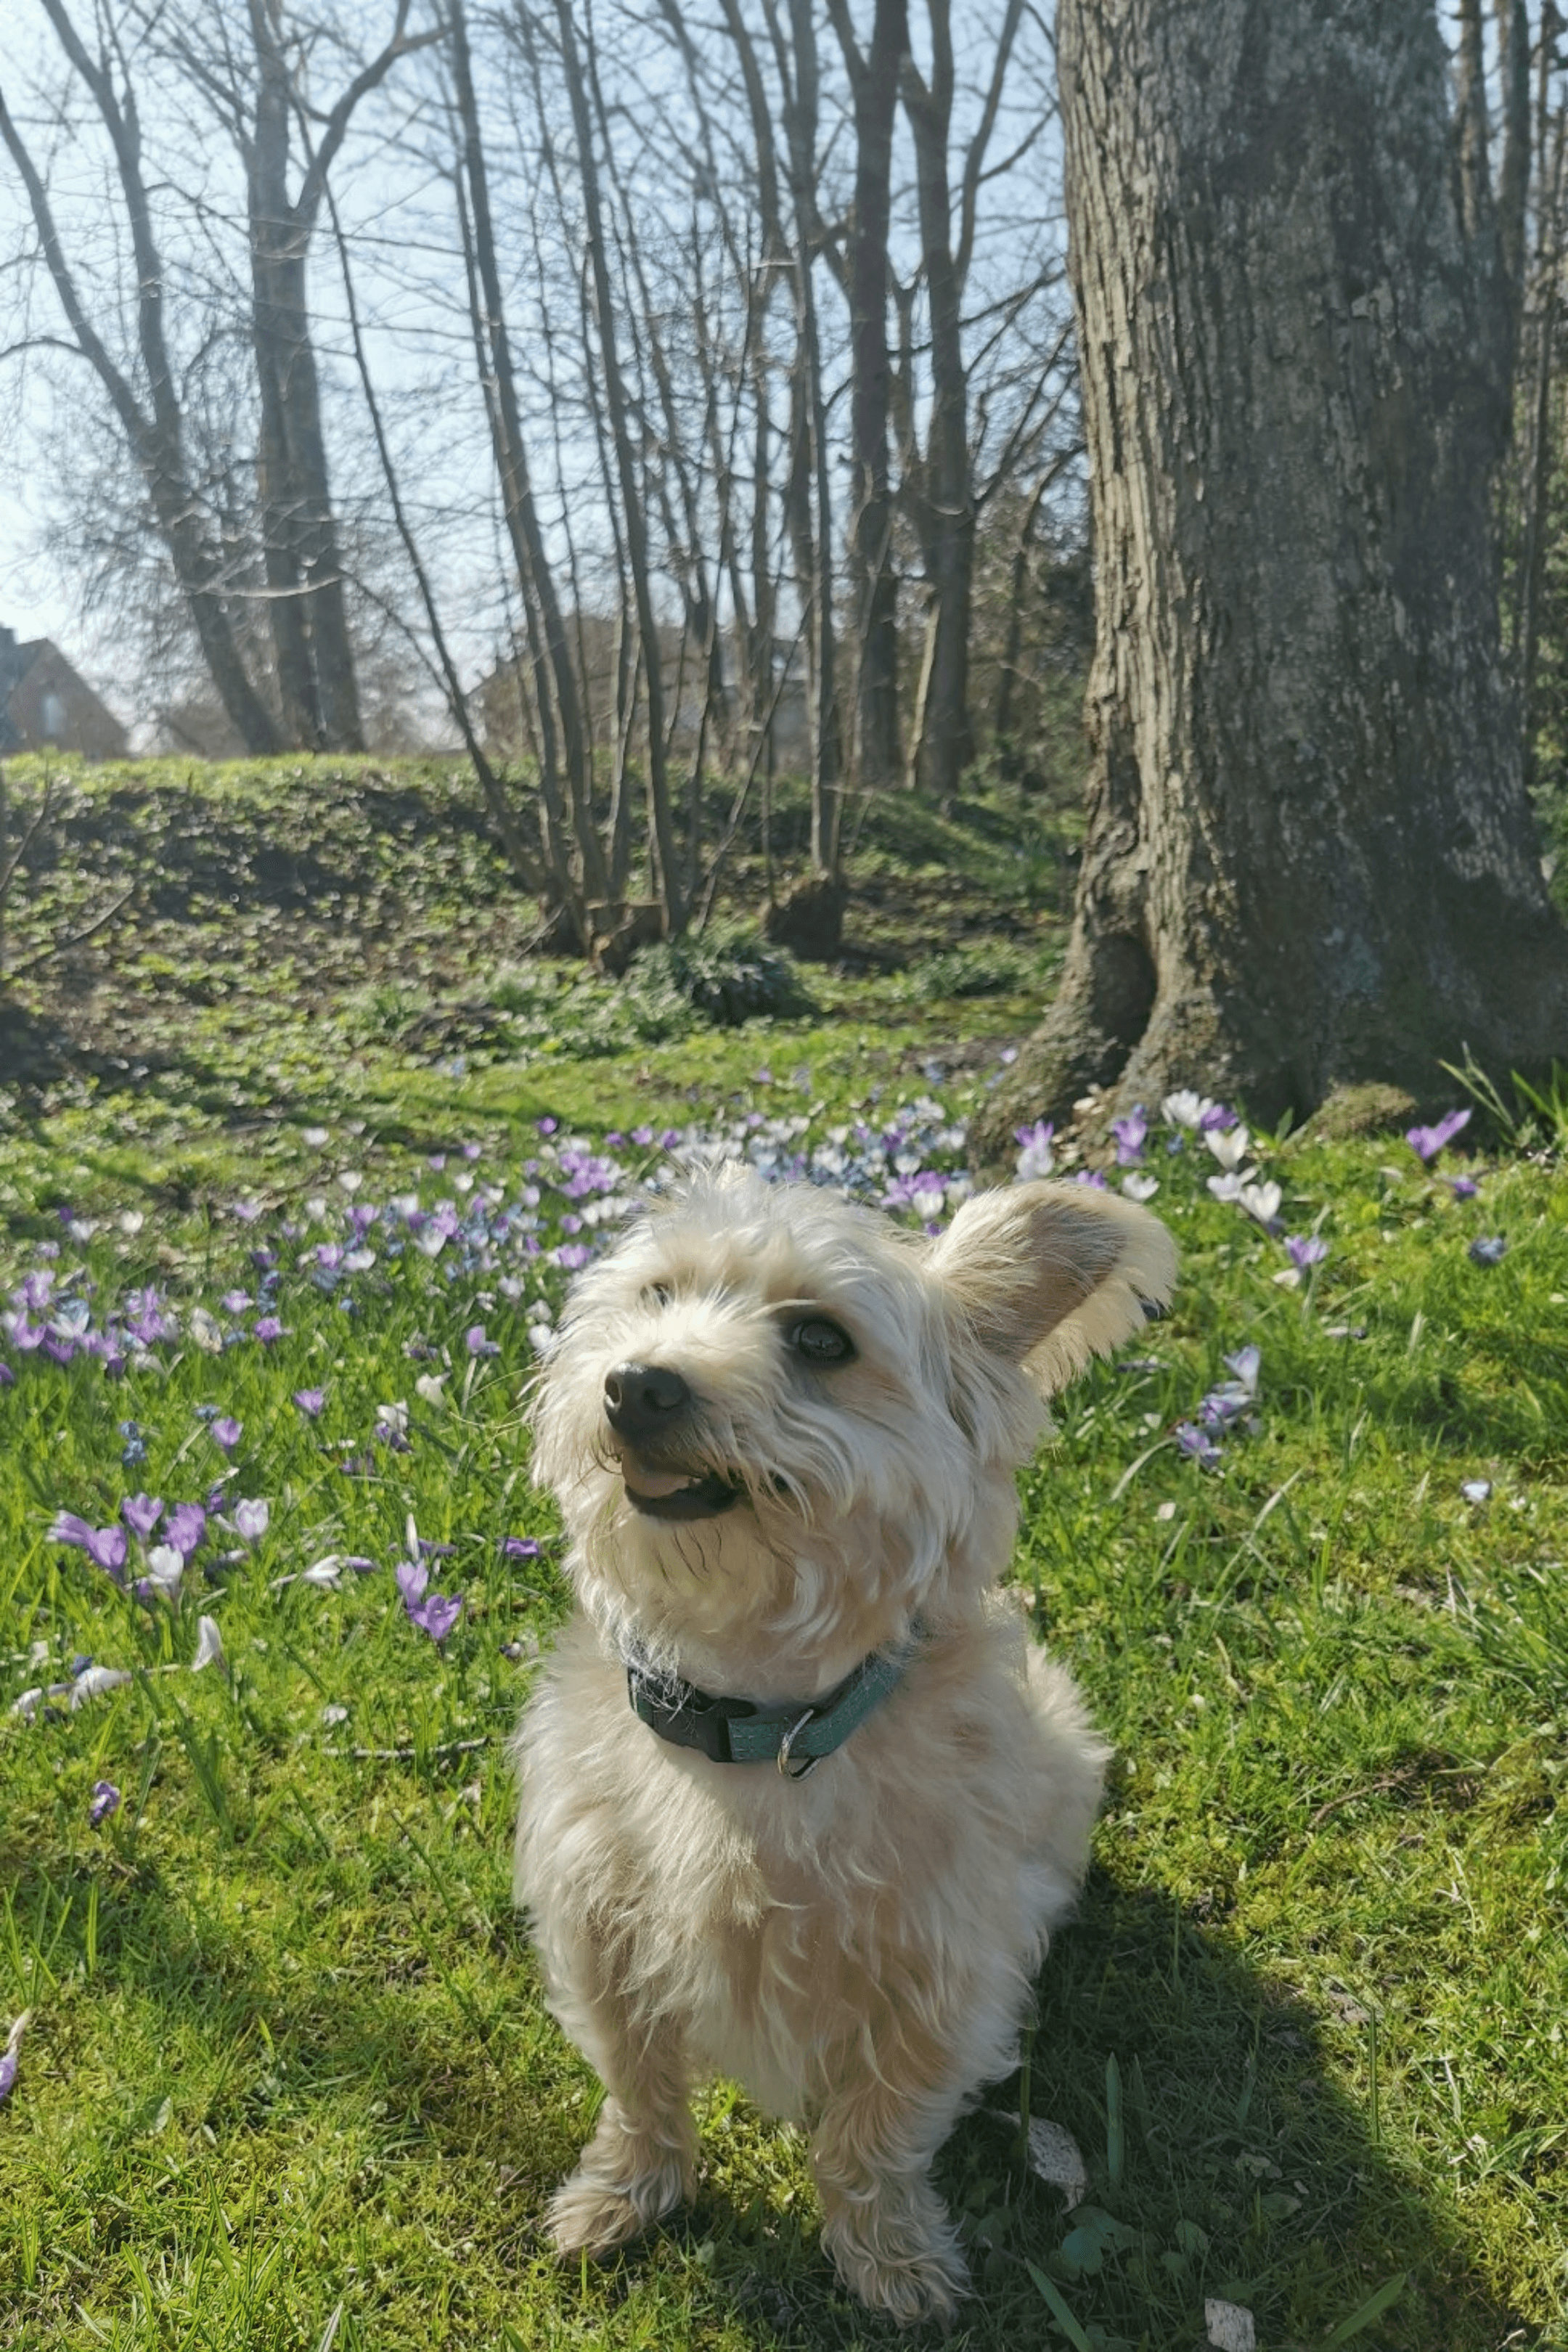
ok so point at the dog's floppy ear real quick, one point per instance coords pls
(1046, 1276)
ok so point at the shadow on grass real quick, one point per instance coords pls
(1222, 2158)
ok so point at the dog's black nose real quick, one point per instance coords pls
(644, 1400)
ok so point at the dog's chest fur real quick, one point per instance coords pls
(766, 1920)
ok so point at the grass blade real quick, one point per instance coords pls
(1387, 2294)
(1057, 2307)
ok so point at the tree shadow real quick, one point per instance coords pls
(1223, 2158)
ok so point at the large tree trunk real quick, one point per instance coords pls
(1310, 858)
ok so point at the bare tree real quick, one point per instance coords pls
(939, 487)
(149, 412)
(874, 88)
(254, 79)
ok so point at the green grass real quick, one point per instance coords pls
(289, 2080)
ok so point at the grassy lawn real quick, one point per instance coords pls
(296, 1157)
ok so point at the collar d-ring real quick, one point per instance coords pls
(787, 1766)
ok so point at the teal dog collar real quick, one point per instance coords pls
(796, 1734)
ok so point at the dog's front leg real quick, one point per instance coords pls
(638, 2165)
(874, 2138)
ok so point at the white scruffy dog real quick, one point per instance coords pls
(817, 1837)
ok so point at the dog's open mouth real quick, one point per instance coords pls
(676, 1494)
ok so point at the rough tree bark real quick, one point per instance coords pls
(1310, 858)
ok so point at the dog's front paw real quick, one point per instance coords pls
(587, 2216)
(904, 2260)
(627, 2180)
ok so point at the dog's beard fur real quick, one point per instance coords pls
(856, 1949)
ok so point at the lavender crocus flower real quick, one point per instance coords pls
(250, 1521)
(142, 1514)
(1131, 1134)
(1305, 1250)
(105, 1800)
(478, 1345)
(1035, 1154)
(435, 1614)
(105, 1546)
(11, 2055)
(227, 1431)
(185, 1528)
(520, 1548)
(1198, 1443)
(1427, 1141)
(310, 1401)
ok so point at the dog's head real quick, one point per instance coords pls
(774, 1415)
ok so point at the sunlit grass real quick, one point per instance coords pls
(288, 2080)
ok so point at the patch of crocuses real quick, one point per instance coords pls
(490, 1248)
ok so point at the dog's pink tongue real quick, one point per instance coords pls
(653, 1484)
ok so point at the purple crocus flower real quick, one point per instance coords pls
(1305, 1250)
(105, 1546)
(1131, 1134)
(1463, 1188)
(105, 1800)
(142, 1514)
(520, 1548)
(1198, 1443)
(186, 1528)
(266, 1329)
(250, 1518)
(10, 2057)
(310, 1401)
(235, 1302)
(478, 1345)
(227, 1431)
(435, 1614)
(1427, 1141)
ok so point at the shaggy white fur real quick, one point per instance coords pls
(784, 1433)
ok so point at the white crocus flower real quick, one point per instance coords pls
(1229, 1149)
(209, 1645)
(1260, 1200)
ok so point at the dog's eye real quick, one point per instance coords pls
(656, 1293)
(815, 1341)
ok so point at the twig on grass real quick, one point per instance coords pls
(408, 1755)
